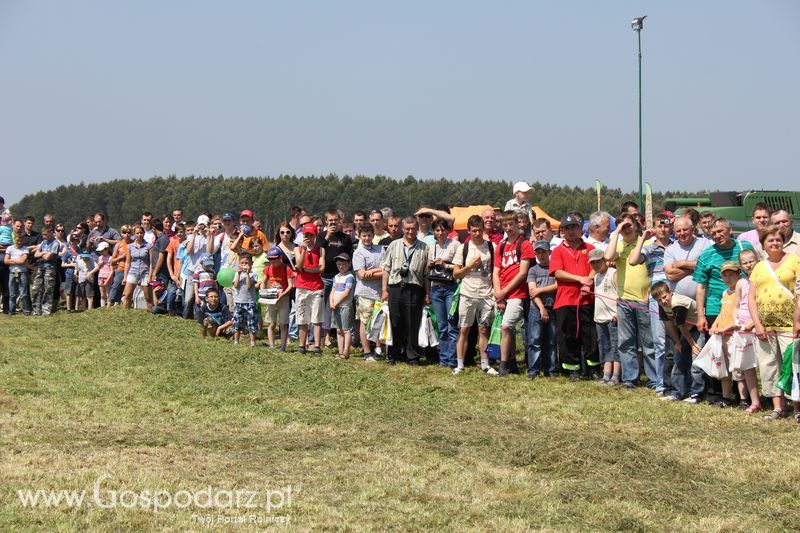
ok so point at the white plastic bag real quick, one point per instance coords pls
(386, 331)
(376, 325)
(427, 333)
(741, 350)
(712, 359)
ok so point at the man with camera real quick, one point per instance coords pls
(407, 289)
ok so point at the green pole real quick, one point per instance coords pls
(641, 198)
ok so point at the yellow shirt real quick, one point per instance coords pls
(633, 282)
(775, 307)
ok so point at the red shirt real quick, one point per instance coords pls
(309, 280)
(278, 275)
(572, 261)
(508, 263)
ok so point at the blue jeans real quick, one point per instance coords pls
(115, 294)
(687, 379)
(607, 341)
(658, 333)
(19, 285)
(441, 298)
(633, 327)
(540, 353)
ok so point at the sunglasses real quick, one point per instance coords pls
(286, 232)
(59, 229)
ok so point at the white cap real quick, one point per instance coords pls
(203, 219)
(102, 246)
(521, 186)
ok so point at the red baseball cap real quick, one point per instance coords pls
(310, 228)
(246, 213)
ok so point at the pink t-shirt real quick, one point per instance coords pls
(743, 313)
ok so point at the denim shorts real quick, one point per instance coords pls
(343, 317)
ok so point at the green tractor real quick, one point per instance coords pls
(737, 207)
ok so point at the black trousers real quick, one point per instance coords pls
(577, 337)
(4, 275)
(405, 311)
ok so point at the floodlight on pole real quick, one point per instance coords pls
(637, 24)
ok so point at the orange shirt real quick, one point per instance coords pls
(261, 237)
(172, 248)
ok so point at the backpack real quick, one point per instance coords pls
(519, 248)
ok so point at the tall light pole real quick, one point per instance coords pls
(637, 24)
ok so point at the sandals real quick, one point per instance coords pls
(775, 415)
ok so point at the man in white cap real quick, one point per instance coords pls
(520, 201)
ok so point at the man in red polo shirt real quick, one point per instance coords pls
(574, 305)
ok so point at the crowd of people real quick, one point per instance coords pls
(602, 297)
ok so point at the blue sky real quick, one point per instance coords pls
(516, 90)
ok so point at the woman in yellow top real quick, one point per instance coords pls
(772, 301)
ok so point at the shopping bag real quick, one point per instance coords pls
(424, 326)
(741, 352)
(428, 336)
(376, 323)
(496, 333)
(711, 359)
(386, 330)
(789, 378)
(453, 311)
(376, 311)
(434, 321)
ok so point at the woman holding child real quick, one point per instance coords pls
(771, 302)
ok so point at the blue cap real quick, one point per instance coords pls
(541, 245)
(274, 253)
(207, 261)
(228, 215)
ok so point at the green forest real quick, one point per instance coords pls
(271, 198)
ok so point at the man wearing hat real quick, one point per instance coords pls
(520, 201)
(574, 304)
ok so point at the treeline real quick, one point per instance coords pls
(271, 198)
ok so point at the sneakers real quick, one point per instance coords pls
(614, 381)
(369, 359)
(574, 377)
(301, 349)
(457, 370)
(694, 399)
(317, 351)
(669, 398)
(603, 381)
(490, 371)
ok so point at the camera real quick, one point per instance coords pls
(439, 267)
(404, 270)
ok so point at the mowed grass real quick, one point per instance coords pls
(145, 401)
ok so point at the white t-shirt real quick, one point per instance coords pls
(478, 283)
(605, 302)
(12, 252)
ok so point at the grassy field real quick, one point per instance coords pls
(363, 446)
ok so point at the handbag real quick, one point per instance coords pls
(442, 275)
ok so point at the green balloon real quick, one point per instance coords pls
(225, 277)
